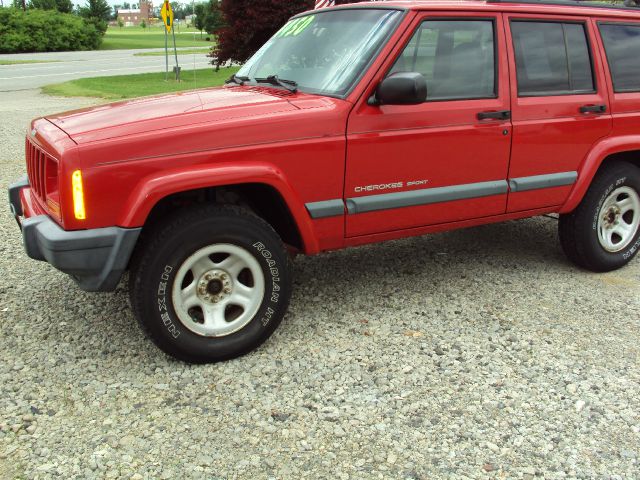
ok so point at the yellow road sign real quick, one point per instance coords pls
(167, 15)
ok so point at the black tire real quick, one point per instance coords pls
(579, 229)
(163, 253)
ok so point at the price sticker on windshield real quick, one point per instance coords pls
(296, 27)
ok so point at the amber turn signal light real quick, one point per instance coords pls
(78, 195)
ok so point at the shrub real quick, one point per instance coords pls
(45, 31)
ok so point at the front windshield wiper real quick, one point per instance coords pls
(280, 82)
(238, 80)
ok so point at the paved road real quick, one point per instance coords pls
(72, 65)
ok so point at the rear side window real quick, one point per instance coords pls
(457, 57)
(552, 58)
(622, 44)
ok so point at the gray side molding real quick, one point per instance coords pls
(425, 196)
(326, 208)
(536, 182)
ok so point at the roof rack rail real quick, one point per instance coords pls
(628, 4)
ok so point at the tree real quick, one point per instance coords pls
(201, 16)
(19, 4)
(248, 24)
(214, 21)
(63, 6)
(97, 12)
(180, 10)
(42, 4)
(120, 23)
(143, 24)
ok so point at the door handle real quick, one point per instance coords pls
(501, 115)
(593, 109)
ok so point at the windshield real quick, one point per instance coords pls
(323, 52)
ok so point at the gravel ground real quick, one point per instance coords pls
(473, 354)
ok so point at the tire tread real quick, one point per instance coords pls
(574, 242)
(155, 236)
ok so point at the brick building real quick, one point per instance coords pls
(135, 16)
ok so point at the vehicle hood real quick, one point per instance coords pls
(174, 111)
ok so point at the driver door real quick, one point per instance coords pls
(444, 160)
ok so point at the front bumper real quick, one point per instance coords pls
(94, 258)
(14, 196)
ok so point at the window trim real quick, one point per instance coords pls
(496, 52)
(606, 54)
(557, 93)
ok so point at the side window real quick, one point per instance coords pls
(622, 45)
(457, 57)
(552, 58)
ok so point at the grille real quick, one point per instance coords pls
(37, 163)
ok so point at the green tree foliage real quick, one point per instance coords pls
(42, 4)
(97, 13)
(209, 17)
(214, 21)
(45, 31)
(63, 6)
(180, 10)
(201, 17)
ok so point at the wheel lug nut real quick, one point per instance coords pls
(227, 290)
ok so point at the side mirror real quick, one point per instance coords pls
(402, 88)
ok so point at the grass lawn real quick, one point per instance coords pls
(21, 62)
(152, 37)
(139, 85)
(188, 51)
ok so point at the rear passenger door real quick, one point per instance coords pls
(560, 106)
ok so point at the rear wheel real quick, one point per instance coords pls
(603, 232)
(212, 284)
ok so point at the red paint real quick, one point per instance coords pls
(549, 133)
(311, 148)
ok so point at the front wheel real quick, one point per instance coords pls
(603, 232)
(212, 284)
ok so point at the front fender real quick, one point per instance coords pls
(605, 148)
(153, 188)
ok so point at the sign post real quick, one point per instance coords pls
(175, 51)
(167, 18)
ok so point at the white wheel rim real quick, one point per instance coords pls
(214, 299)
(618, 219)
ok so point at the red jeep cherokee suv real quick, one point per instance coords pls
(352, 125)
